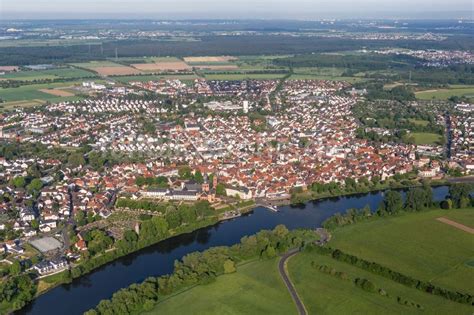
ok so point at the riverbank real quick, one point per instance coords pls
(50, 282)
(158, 259)
(253, 287)
(308, 196)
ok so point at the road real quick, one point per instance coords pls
(324, 238)
(291, 288)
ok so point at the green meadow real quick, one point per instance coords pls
(256, 288)
(444, 94)
(327, 294)
(426, 138)
(416, 245)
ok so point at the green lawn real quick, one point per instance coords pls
(325, 294)
(416, 245)
(256, 288)
(426, 138)
(444, 94)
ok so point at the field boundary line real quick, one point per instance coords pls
(457, 225)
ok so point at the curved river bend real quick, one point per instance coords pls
(87, 291)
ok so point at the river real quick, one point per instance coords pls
(87, 291)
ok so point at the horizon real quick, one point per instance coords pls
(243, 10)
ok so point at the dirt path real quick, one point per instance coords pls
(456, 225)
(282, 268)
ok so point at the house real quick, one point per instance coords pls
(81, 245)
(47, 267)
(241, 192)
(14, 247)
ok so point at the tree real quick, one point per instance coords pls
(393, 201)
(229, 266)
(187, 214)
(459, 193)
(35, 185)
(418, 199)
(269, 252)
(220, 190)
(198, 177)
(15, 268)
(19, 182)
(174, 219)
(185, 172)
(76, 159)
(447, 204)
(81, 218)
(35, 225)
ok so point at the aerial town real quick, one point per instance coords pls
(232, 162)
(307, 134)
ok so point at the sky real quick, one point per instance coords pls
(286, 9)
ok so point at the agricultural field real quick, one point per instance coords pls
(416, 245)
(327, 294)
(426, 138)
(209, 59)
(256, 288)
(243, 76)
(444, 94)
(60, 73)
(107, 68)
(146, 78)
(37, 94)
(162, 66)
(331, 74)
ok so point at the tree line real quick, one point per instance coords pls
(386, 272)
(417, 199)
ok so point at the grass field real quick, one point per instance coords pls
(31, 95)
(244, 76)
(331, 74)
(426, 138)
(328, 78)
(416, 245)
(444, 94)
(326, 294)
(145, 78)
(61, 73)
(96, 64)
(256, 288)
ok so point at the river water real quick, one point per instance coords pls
(87, 291)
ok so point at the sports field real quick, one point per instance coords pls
(327, 294)
(256, 288)
(416, 245)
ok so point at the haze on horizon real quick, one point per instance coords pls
(242, 9)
